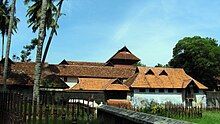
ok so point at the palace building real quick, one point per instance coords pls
(117, 78)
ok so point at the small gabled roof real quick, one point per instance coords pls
(123, 54)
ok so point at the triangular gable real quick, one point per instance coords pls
(163, 73)
(124, 49)
(197, 84)
(115, 84)
(64, 62)
(123, 56)
(150, 72)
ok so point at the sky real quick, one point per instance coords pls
(94, 30)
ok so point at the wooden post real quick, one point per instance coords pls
(29, 110)
(25, 110)
(34, 112)
(55, 115)
(40, 114)
(46, 115)
(21, 109)
(73, 112)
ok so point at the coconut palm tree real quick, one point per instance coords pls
(41, 17)
(10, 28)
(4, 22)
(38, 20)
(52, 17)
(53, 31)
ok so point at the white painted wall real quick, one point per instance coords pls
(201, 98)
(71, 81)
(139, 98)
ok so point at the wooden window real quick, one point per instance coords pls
(141, 90)
(161, 90)
(152, 90)
(170, 90)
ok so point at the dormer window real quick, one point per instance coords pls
(149, 72)
(163, 73)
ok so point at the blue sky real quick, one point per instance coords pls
(93, 30)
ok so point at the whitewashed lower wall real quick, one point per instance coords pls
(201, 99)
(71, 81)
(139, 99)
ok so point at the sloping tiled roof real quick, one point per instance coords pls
(98, 84)
(21, 73)
(96, 71)
(124, 53)
(53, 81)
(175, 78)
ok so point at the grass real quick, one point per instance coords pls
(208, 117)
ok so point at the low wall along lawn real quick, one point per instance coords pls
(113, 115)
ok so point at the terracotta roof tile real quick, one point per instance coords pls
(175, 78)
(22, 73)
(95, 71)
(98, 84)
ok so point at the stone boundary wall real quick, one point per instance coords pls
(113, 115)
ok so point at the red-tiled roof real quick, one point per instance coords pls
(96, 71)
(173, 78)
(21, 73)
(124, 54)
(99, 84)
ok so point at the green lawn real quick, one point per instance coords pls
(208, 117)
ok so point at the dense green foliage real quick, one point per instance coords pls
(200, 58)
(4, 22)
(34, 14)
(161, 65)
(140, 64)
(25, 54)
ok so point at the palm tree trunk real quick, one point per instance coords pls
(3, 44)
(11, 21)
(38, 66)
(52, 33)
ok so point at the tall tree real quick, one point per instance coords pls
(41, 18)
(52, 16)
(200, 58)
(53, 31)
(41, 37)
(4, 22)
(11, 23)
